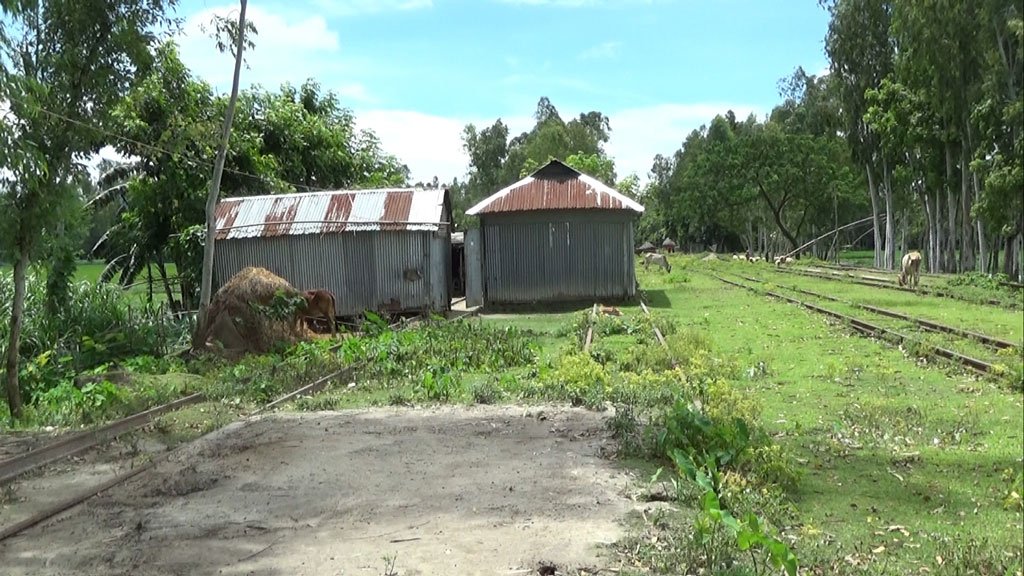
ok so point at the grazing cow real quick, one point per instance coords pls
(910, 273)
(657, 260)
(320, 304)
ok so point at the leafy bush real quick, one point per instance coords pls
(639, 325)
(486, 392)
(451, 347)
(96, 326)
(577, 379)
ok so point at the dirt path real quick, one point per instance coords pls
(484, 490)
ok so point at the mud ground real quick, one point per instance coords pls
(454, 490)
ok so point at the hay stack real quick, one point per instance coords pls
(234, 326)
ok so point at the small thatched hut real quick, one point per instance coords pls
(646, 248)
(669, 245)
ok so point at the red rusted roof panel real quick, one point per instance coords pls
(396, 210)
(338, 208)
(331, 211)
(225, 215)
(280, 217)
(555, 187)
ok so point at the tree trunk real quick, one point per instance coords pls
(995, 254)
(149, 282)
(162, 268)
(890, 226)
(903, 232)
(966, 232)
(949, 257)
(13, 345)
(929, 219)
(218, 170)
(873, 191)
(940, 245)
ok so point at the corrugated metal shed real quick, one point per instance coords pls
(556, 235)
(556, 186)
(373, 249)
(334, 211)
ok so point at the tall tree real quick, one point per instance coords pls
(861, 54)
(65, 63)
(218, 170)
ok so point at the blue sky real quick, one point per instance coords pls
(416, 71)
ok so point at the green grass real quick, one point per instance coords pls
(854, 408)
(902, 461)
(90, 271)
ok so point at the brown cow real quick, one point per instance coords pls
(910, 272)
(320, 304)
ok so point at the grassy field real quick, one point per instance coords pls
(90, 271)
(904, 461)
(908, 466)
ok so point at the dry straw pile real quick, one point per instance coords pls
(236, 324)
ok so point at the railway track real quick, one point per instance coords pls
(66, 447)
(872, 330)
(848, 267)
(862, 281)
(991, 342)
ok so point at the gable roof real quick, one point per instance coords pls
(331, 211)
(555, 186)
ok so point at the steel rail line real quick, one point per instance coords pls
(869, 329)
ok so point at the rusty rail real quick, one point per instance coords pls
(869, 329)
(590, 329)
(926, 324)
(1006, 284)
(839, 277)
(658, 334)
(18, 465)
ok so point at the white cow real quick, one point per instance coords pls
(910, 273)
(657, 260)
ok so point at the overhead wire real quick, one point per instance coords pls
(160, 150)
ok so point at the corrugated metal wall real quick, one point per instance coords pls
(552, 256)
(401, 270)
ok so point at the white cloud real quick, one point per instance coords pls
(353, 7)
(429, 145)
(289, 47)
(432, 145)
(603, 51)
(638, 134)
(355, 91)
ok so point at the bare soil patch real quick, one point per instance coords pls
(481, 490)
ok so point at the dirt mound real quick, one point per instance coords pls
(247, 315)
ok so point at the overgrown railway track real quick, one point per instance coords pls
(991, 342)
(881, 283)
(16, 466)
(872, 330)
(870, 269)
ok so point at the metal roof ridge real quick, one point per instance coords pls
(332, 192)
(591, 182)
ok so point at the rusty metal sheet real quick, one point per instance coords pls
(331, 212)
(555, 186)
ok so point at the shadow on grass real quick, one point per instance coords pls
(656, 299)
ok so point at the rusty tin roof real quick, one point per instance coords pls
(555, 186)
(333, 211)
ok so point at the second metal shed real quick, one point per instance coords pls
(556, 235)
